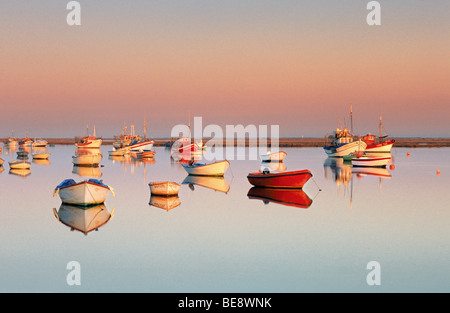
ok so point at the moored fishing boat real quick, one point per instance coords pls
(212, 169)
(145, 154)
(273, 157)
(343, 144)
(164, 188)
(293, 179)
(39, 142)
(89, 142)
(19, 164)
(1, 162)
(378, 145)
(367, 161)
(288, 197)
(88, 192)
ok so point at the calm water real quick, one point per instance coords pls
(216, 241)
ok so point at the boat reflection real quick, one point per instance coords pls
(41, 161)
(341, 171)
(288, 197)
(371, 171)
(83, 219)
(85, 171)
(23, 172)
(166, 203)
(273, 166)
(217, 183)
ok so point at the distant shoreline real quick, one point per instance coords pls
(410, 142)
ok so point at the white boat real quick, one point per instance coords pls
(141, 145)
(88, 192)
(366, 161)
(19, 164)
(273, 157)
(165, 188)
(39, 142)
(343, 146)
(213, 169)
(41, 156)
(87, 159)
(89, 142)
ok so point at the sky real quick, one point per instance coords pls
(296, 64)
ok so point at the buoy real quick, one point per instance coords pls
(438, 172)
(392, 167)
(407, 153)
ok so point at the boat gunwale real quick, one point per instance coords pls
(84, 182)
(271, 175)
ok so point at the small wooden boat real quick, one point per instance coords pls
(166, 203)
(88, 192)
(371, 161)
(288, 197)
(87, 159)
(145, 154)
(212, 169)
(293, 179)
(19, 164)
(165, 188)
(119, 152)
(273, 157)
(1, 162)
(41, 156)
(39, 142)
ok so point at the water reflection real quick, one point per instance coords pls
(210, 182)
(273, 166)
(23, 172)
(288, 197)
(83, 219)
(166, 203)
(85, 171)
(341, 172)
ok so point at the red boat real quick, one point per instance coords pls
(288, 197)
(294, 179)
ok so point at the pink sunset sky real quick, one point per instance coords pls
(297, 64)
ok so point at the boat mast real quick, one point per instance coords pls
(351, 119)
(381, 134)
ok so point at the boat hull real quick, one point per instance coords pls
(84, 193)
(91, 143)
(41, 156)
(370, 162)
(345, 149)
(164, 188)
(142, 145)
(273, 157)
(19, 165)
(294, 179)
(383, 147)
(213, 169)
